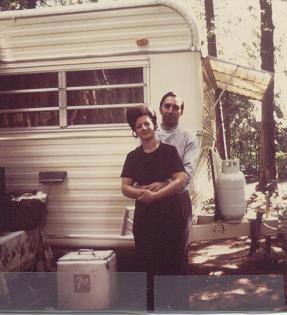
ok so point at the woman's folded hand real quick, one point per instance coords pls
(147, 196)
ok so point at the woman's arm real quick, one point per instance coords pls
(172, 188)
(155, 186)
(129, 190)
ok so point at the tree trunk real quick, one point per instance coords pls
(31, 4)
(210, 26)
(212, 51)
(267, 166)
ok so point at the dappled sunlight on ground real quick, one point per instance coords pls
(226, 278)
(207, 296)
(230, 266)
(262, 290)
(237, 291)
(216, 273)
(212, 251)
(244, 281)
(228, 293)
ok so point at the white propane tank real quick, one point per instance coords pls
(231, 191)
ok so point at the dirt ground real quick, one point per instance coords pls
(225, 278)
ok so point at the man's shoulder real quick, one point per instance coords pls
(183, 131)
(176, 136)
(177, 130)
(186, 134)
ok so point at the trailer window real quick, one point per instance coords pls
(70, 98)
(29, 100)
(102, 96)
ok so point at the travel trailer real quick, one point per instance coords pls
(67, 77)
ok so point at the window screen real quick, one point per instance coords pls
(70, 98)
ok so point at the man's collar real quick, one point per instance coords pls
(168, 129)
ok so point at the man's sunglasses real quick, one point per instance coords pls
(174, 106)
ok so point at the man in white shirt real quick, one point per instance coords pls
(171, 108)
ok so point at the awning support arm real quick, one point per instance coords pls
(225, 87)
(221, 111)
(223, 131)
(222, 91)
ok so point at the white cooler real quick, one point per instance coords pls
(86, 280)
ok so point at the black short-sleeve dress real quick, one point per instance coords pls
(159, 227)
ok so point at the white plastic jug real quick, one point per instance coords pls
(231, 191)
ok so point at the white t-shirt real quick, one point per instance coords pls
(185, 143)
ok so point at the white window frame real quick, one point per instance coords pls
(62, 90)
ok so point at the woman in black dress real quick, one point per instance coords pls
(159, 226)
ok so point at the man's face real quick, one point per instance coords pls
(170, 111)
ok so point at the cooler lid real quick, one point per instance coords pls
(87, 255)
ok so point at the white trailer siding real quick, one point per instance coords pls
(89, 204)
(87, 209)
(180, 72)
(90, 200)
(92, 30)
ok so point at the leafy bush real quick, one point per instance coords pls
(281, 162)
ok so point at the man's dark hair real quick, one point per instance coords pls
(133, 113)
(168, 94)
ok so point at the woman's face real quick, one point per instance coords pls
(144, 128)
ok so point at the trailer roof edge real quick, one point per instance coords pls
(180, 7)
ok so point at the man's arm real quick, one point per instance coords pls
(190, 156)
(129, 190)
(176, 184)
(155, 186)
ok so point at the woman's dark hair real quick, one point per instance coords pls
(168, 94)
(133, 113)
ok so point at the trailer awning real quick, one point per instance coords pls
(239, 79)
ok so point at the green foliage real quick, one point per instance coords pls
(244, 137)
(281, 162)
(244, 133)
(281, 150)
(16, 4)
(281, 140)
(29, 4)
